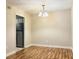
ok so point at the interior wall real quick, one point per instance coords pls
(11, 28)
(55, 30)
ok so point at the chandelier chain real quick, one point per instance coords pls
(43, 2)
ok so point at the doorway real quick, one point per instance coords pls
(19, 31)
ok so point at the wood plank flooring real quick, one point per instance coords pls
(35, 52)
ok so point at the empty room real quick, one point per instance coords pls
(39, 29)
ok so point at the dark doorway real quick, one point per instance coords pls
(19, 31)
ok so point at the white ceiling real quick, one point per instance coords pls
(34, 6)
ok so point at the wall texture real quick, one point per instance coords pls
(11, 28)
(55, 30)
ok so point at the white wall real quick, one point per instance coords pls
(55, 30)
(11, 28)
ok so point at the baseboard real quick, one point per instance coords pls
(51, 46)
(10, 53)
(28, 46)
(18, 49)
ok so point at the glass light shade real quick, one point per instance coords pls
(44, 13)
(40, 14)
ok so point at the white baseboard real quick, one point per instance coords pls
(18, 49)
(11, 53)
(28, 46)
(51, 46)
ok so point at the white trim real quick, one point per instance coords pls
(67, 47)
(28, 46)
(17, 49)
(11, 53)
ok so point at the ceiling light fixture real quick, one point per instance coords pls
(43, 12)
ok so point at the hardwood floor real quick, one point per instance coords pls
(35, 52)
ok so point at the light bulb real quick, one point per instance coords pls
(40, 14)
(45, 14)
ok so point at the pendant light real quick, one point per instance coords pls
(43, 12)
